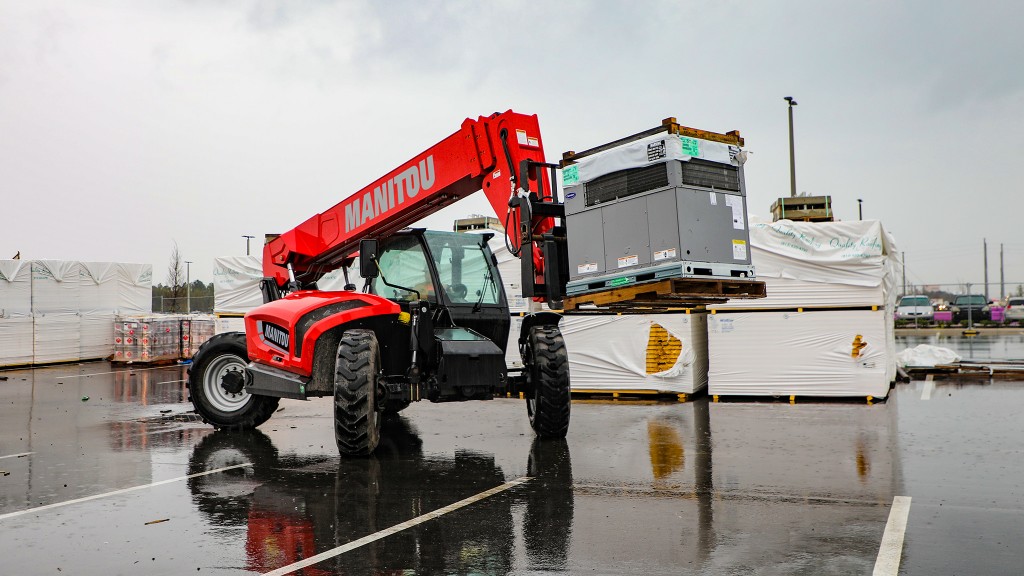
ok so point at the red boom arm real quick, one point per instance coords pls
(485, 154)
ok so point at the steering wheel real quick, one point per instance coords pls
(458, 291)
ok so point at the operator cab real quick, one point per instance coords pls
(455, 272)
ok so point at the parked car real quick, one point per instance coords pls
(914, 308)
(974, 304)
(1014, 311)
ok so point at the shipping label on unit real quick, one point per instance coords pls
(656, 151)
(627, 261)
(739, 250)
(570, 175)
(736, 203)
(691, 146)
(664, 254)
(586, 268)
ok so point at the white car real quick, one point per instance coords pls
(1014, 311)
(915, 307)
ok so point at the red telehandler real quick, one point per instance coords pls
(432, 319)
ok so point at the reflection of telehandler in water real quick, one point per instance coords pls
(296, 508)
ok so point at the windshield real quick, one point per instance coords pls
(403, 263)
(463, 268)
(1016, 302)
(968, 300)
(915, 301)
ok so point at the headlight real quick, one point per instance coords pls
(954, 309)
(985, 309)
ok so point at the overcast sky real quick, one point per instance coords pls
(128, 126)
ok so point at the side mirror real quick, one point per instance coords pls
(368, 258)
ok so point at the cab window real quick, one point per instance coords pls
(404, 264)
(463, 269)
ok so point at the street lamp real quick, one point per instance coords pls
(247, 238)
(792, 159)
(188, 288)
(860, 208)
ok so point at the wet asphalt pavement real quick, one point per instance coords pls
(111, 485)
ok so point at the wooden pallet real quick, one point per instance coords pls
(671, 293)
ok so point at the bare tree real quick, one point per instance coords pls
(176, 279)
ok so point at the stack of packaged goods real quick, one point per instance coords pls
(160, 338)
(825, 328)
(194, 332)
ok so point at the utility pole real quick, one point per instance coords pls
(903, 265)
(247, 238)
(860, 208)
(792, 159)
(984, 243)
(1002, 279)
(188, 288)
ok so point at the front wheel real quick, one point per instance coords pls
(216, 382)
(547, 368)
(356, 416)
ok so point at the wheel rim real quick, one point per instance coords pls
(219, 397)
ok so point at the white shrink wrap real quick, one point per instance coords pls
(16, 326)
(134, 289)
(656, 352)
(98, 304)
(236, 284)
(55, 309)
(827, 353)
(822, 264)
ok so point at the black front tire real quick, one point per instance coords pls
(547, 367)
(356, 417)
(216, 385)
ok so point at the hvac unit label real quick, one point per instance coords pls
(664, 254)
(629, 261)
(586, 268)
(739, 250)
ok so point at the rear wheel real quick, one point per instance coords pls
(356, 418)
(547, 368)
(216, 382)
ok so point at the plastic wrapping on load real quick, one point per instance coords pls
(160, 338)
(638, 154)
(61, 311)
(55, 309)
(99, 298)
(926, 355)
(837, 353)
(663, 352)
(236, 284)
(822, 264)
(16, 323)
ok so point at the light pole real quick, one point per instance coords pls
(188, 288)
(792, 159)
(860, 209)
(247, 238)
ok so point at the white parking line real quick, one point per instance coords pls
(17, 455)
(116, 492)
(929, 387)
(394, 529)
(116, 371)
(891, 550)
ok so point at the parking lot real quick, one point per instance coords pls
(105, 471)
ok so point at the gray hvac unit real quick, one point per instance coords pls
(658, 207)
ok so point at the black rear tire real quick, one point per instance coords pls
(547, 367)
(356, 416)
(216, 385)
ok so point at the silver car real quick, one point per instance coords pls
(917, 306)
(1014, 311)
